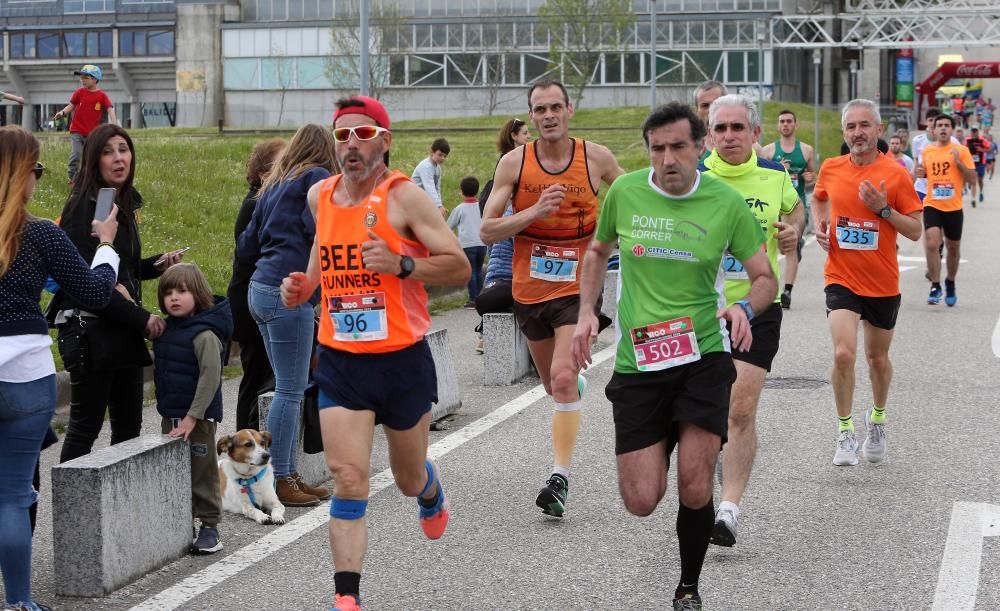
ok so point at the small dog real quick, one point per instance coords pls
(246, 479)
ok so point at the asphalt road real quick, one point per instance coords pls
(813, 536)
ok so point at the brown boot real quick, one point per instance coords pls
(291, 495)
(322, 493)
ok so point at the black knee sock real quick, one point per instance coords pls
(694, 529)
(346, 582)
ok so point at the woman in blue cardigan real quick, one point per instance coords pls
(32, 249)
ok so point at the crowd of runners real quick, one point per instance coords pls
(699, 234)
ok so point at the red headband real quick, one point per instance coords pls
(370, 107)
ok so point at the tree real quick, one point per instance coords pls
(343, 67)
(578, 30)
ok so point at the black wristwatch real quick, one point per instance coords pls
(406, 266)
(885, 212)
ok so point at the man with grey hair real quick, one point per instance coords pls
(862, 200)
(767, 189)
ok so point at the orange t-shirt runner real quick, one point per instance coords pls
(548, 254)
(862, 256)
(365, 311)
(944, 180)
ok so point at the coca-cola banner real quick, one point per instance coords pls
(949, 70)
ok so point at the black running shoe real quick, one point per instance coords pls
(207, 541)
(688, 602)
(786, 300)
(552, 498)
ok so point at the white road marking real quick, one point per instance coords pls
(180, 593)
(958, 580)
(996, 339)
(910, 259)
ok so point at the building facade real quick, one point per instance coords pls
(284, 62)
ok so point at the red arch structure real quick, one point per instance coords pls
(949, 70)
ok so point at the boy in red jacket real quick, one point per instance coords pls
(89, 102)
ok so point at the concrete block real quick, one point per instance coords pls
(119, 513)
(312, 467)
(505, 350)
(610, 306)
(449, 398)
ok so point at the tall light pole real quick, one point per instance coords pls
(760, 65)
(854, 79)
(817, 58)
(652, 54)
(365, 75)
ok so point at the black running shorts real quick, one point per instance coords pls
(880, 312)
(648, 406)
(766, 328)
(398, 386)
(949, 222)
(538, 321)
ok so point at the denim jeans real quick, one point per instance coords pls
(25, 412)
(288, 337)
(476, 256)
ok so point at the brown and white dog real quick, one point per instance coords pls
(246, 477)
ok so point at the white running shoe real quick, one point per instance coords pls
(876, 444)
(726, 522)
(847, 450)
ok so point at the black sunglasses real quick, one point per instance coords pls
(39, 171)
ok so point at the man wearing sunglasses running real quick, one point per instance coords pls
(767, 189)
(553, 184)
(378, 239)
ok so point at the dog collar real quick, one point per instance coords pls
(247, 483)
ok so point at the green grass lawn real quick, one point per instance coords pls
(193, 181)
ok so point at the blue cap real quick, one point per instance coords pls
(89, 70)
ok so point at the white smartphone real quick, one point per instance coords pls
(162, 260)
(105, 199)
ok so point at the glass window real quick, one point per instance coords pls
(22, 45)
(522, 35)
(161, 42)
(279, 10)
(295, 10)
(455, 36)
(140, 43)
(473, 35)
(753, 67)
(512, 70)
(72, 6)
(125, 43)
(633, 63)
(735, 67)
(105, 46)
(535, 67)
(311, 73)
(397, 70)
(612, 68)
(423, 36)
(463, 69)
(48, 45)
(427, 69)
(439, 8)
(240, 73)
(92, 43)
(325, 9)
(73, 44)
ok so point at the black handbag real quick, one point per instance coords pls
(96, 344)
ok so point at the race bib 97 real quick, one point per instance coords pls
(554, 263)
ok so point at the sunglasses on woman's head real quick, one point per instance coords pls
(363, 133)
(39, 171)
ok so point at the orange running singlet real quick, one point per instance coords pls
(548, 254)
(365, 311)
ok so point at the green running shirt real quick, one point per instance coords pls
(768, 192)
(797, 164)
(671, 252)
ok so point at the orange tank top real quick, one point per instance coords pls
(548, 254)
(365, 311)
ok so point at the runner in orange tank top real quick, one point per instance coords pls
(553, 183)
(378, 239)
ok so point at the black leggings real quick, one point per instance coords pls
(92, 394)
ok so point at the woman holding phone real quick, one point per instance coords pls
(32, 249)
(104, 349)
(279, 240)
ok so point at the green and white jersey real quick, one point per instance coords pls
(769, 194)
(796, 165)
(670, 283)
